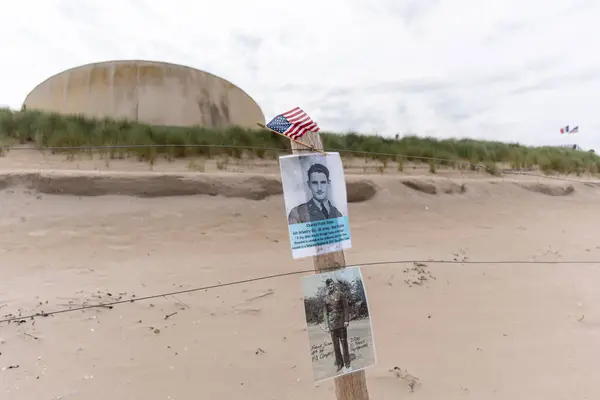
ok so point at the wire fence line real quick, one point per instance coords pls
(493, 171)
(137, 146)
(284, 274)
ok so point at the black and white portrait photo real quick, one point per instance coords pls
(319, 207)
(338, 323)
(314, 190)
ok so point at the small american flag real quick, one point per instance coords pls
(293, 123)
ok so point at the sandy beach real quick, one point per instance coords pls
(480, 331)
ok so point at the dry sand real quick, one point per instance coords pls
(480, 331)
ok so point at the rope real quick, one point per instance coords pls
(267, 277)
(136, 146)
(370, 153)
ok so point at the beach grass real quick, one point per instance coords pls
(53, 130)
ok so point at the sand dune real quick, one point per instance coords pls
(242, 185)
(482, 331)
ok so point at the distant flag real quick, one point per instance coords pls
(564, 130)
(574, 130)
(293, 123)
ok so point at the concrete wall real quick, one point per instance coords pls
(149, 92)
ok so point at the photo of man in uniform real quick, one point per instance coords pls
(336, 315)
(338, 323)
(319, 207)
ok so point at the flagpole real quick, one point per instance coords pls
(287, 137)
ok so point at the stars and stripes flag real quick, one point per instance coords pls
(568, 130)
(293, 123)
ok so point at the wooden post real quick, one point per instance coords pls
(351, 386)
(308, 147)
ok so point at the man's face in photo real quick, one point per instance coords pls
(318, 184)
(330, 287)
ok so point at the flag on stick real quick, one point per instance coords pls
(293, 123)
(569, 130)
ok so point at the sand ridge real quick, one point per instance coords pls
(242, 185)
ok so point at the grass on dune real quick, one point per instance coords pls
(54, 130)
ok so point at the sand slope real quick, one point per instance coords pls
(469, 331)
(248, 185)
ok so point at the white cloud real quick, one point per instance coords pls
(497, 69)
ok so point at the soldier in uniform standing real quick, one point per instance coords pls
(336, 314)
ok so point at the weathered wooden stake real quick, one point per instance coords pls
(351, 386)
(309, 147)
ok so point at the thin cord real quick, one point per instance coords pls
(44, 314)
(266, 277)
(133, 146)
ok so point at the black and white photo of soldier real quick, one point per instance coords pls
(338, 323)
(316, 203)
(336, 317)
(319, 207)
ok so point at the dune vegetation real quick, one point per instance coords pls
(150, 142)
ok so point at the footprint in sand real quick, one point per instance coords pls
(120, 247)
(39, 233)
(72, 233)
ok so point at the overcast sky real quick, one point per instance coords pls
(497, 69)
